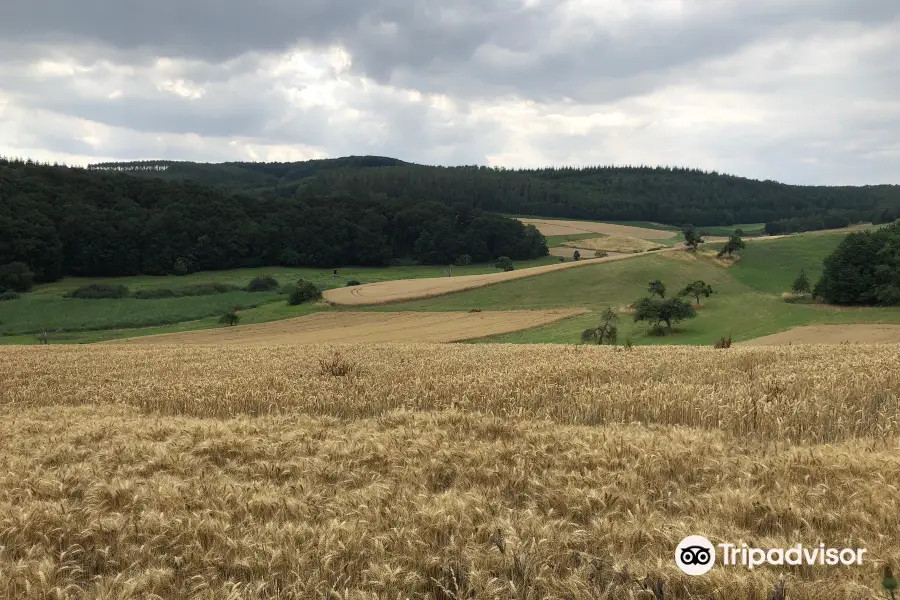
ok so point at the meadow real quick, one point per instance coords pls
(71, 320)
(747, 300)
(440, 472)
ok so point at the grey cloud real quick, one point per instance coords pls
(416, 42)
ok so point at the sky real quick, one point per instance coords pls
(799, 91)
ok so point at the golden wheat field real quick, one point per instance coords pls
(441, 472)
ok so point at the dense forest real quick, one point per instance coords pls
(67, 221)
(665, 195)
(864, 269)
(158, 217)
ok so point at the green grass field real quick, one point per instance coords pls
(70, 320)
(747, 302)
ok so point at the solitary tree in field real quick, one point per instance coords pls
(668, 311)
(697, 289)
(801, 284)
(606, 333)
(230, 318)
(734, 244)
(657, 288)
(692, 238)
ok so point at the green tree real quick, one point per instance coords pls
(16, 276)
(801, 284)
(606, 333)
(230, 318)
(505, 263)
(576, 255)
(304, 291)
(181, 266)
(692, 238)
(657, 288)
(463, 260)
(733, 244)
(659, 311)
(697, 289)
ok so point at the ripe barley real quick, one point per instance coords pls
(486, 471)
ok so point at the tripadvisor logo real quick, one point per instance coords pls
(696, 555)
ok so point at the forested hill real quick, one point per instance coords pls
(282, 178)
(666, 195)
(69, 221)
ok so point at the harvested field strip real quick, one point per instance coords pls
(832, 334)
(401, 290)
(356, 327)
(554, 227)
(615, 243)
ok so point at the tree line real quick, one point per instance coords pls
(864, 270)
(71, 221)
(674, 196)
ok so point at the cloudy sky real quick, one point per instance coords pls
(802, 91)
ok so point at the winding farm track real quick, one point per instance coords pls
(359, 327)
(401, 290)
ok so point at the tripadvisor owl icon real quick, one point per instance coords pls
(695, 555)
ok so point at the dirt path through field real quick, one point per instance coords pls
(355, 327)
(832, 334)
(401, 290)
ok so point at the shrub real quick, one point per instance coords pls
(463, 260)
(505, 263)
(562, 259)
(290, 258)
(601, 254)
(353, 282)
(304, 291)
(230, 318)
(96, 291)
(576, 255)
(723, 342)
(263, 283)
(199, 289)
(475, 310)
(181, 266)
(154, 294)
(208, 289)
(8, 295)
(16, 276)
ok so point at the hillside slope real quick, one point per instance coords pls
(672, 196)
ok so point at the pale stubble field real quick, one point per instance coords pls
(427, 471)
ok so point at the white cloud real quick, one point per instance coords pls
(804, 91)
